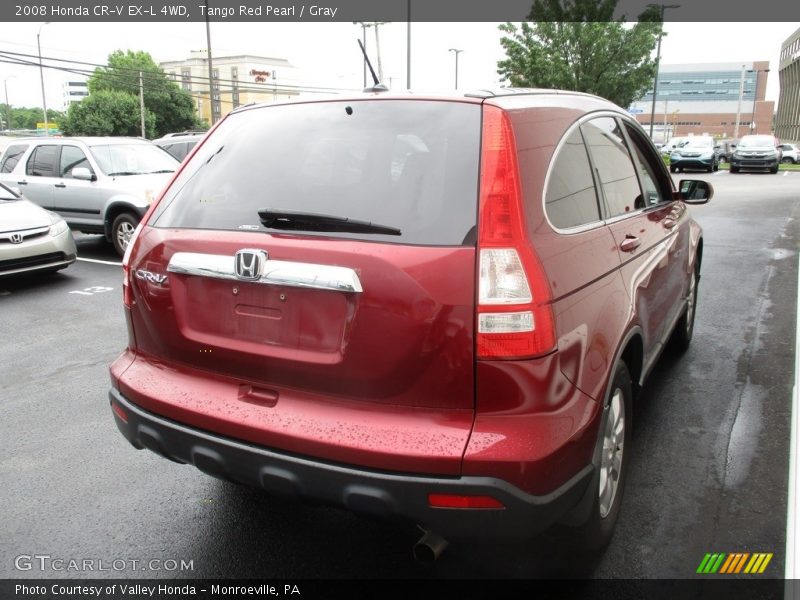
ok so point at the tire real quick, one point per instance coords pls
(715, 166)
(787, 160)
(774, 170)
(684, 328)
(734, 169)
(608, 483)
(673, 169)
(122, 230)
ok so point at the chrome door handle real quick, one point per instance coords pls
(630, 243)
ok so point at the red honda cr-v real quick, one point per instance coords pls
(434, 308)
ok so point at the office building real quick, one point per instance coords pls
(787, 120)
(706, 99)
(238, 80)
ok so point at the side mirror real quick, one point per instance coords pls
(695, 191)
(83, 173)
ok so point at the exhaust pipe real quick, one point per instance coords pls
(429, 547)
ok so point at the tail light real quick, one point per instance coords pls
(127, 281)
(515, 318)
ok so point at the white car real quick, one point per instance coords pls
(791, 153)
(32, 238)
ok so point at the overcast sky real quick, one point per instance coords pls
(327, 53)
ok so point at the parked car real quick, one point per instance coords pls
(179, 144)
(790, 153)
(98, 184)
(439, 308)
(672, 145)
(32, 238)
(756, 152)
(699, 152)
(725, 148)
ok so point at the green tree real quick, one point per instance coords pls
(107, 112)
(578, 45)
(173, 107)
(27, 118)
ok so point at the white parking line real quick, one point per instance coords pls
(792, 569)
(100, 262)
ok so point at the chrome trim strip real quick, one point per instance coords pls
(275, 272)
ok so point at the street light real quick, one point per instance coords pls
(456, 51)
(753, 128)
(41, 76)
(8, 106)
(662, 8)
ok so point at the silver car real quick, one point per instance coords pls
(98, 184)
(32, 238)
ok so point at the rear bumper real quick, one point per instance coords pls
(366, 491)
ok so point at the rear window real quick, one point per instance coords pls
(407, 164)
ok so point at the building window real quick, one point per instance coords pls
(186, 79)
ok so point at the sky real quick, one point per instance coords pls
(327, 54)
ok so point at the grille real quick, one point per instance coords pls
(31, 261)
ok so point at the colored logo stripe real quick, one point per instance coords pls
(734, 563)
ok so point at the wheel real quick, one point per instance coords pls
(715, 166)
(710, 168)
(684, 328)
(734, 169)
(608, 483)
(774, 169)
(672, 169)
(122, 230)
(787, 160)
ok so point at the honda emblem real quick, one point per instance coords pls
(249, 264)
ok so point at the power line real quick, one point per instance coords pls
(155, 76)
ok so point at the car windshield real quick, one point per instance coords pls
(699, 143)
(756, 140)
(6, 195)
(133, 159)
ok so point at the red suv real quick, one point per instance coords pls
(434, 308)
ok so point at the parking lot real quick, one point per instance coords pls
(709, 462)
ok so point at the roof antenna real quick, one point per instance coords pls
(378, 87)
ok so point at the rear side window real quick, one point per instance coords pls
(407, 164)
(613, 164)
(571, 199)
(42, 161)
(12, 156)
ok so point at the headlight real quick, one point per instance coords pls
(58, 225)
(708, 155)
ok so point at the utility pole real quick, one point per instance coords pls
(141, 102)
(662, 7)
(364, 43)
(378, 50)
(408, 46)
(457, 52)
(41, 76)
(211, 102)
(664, 134)
(8, 106)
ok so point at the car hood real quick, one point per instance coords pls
(22, 214)
(140, 186)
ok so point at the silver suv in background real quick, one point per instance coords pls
(97, 184)
(179, 144)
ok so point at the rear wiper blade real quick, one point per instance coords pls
(300, 221)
